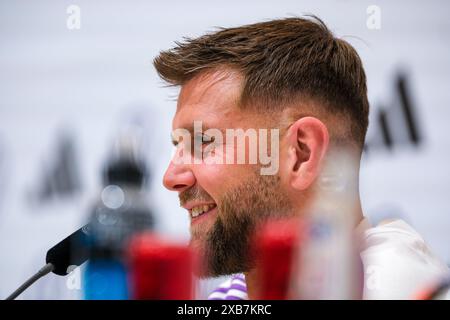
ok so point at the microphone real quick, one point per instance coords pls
(72, 251)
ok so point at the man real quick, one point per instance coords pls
(294, 79)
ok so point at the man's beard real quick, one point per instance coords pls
(226, 247)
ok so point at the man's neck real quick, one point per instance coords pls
(253, 284)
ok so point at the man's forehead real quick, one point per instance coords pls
(210, 97)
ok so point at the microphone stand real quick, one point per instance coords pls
(42, 272)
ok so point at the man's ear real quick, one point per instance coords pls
(307, 144)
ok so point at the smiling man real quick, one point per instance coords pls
(305, 90)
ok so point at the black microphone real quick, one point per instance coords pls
(72, 251)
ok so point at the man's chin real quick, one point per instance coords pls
(204, 263)
(202, 267)
(203, 272)
(198, 249)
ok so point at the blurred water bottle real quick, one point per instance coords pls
(121, 212)
(328, 265)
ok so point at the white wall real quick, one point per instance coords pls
(90, 81)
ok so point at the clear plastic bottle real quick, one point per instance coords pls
(327, 264)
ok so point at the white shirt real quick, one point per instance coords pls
(397, 262)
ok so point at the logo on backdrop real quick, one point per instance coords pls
(395, 124)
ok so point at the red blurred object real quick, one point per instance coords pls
(160, 270)
(274, 248)
(433, 291)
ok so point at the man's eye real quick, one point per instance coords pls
(203, 139)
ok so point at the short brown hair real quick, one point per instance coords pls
(280, 61)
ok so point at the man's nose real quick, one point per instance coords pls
(178, 177)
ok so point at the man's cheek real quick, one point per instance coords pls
(215, 154)
(221, 159)
(219, 154)
(211, 176)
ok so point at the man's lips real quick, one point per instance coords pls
(189, 205)
(203, 215)
(199, 209)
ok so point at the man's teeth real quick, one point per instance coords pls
(198, 210)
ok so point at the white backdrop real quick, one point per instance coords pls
(90, 82)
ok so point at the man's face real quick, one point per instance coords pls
(225, 201)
